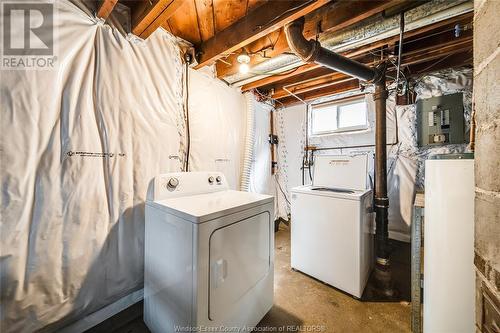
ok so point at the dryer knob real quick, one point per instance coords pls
(173, 182)
(211, 180)
(218, 179)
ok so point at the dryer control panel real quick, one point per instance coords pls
(178, 184)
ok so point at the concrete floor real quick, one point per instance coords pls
(301, 302)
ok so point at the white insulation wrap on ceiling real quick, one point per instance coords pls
(79, 145)
(405, 159)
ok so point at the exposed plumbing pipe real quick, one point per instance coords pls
(285, 88)
(400, 48)
(249, 142)
(371, 31)
(381, 199)
(272, 135)
(312, 51)
(188, 60)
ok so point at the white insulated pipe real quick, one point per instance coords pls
(249, 143)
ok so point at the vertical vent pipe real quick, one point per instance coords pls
(311, 51)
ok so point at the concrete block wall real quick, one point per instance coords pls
(487, 152)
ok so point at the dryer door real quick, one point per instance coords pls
(239, 259)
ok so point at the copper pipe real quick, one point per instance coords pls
(274, 163)
(472, 136)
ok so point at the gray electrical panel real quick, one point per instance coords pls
(440, 120)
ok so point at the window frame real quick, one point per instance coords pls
(338, 104)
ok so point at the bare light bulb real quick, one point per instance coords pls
(244, 68)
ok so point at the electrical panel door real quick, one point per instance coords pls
(440, 120)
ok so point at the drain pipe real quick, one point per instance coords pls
(312, 51)
(383, 275)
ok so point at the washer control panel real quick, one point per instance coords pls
(178, 184)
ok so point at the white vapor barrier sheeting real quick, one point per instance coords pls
(260, 176)
(290, 128)
(405, 160)
(217, 125)
(79, 145)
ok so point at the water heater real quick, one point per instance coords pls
(449, 244)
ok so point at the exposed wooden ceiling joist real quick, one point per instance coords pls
(456, 60)
(337, 88)
(153, 17)
(310, 70)
(105, 8)
(459, 55)
(334, 78)
(258, 23)
(279, 77)
(423, 54)
(332, 17)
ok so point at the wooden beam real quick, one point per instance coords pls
(312, 84)
(258, 23)
(153, 17)
(279, 77)
(418, 56)
(440, 58)
(463, 58)
(336, 88)
(438, 51)
(332, 17)
(455, 60)
(303, 70)
(105, 8)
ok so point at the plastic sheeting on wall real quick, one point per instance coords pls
(405, 160)
(79, 145)
(260, 177)
(217, 125)
(290, 128)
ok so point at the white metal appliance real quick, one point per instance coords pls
(449, 282)
(209, 254)
(331, 224)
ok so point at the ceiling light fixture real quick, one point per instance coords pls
(243, 59)
(244, 68)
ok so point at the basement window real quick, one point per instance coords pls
(336, 117)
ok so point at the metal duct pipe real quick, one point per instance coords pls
(381, 199)
(312, 51)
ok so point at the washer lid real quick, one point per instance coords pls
(356, 195)
(341, 172)
(208, 206)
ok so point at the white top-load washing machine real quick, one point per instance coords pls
(209, 254)
(331, 224)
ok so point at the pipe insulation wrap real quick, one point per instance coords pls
(249, 143)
